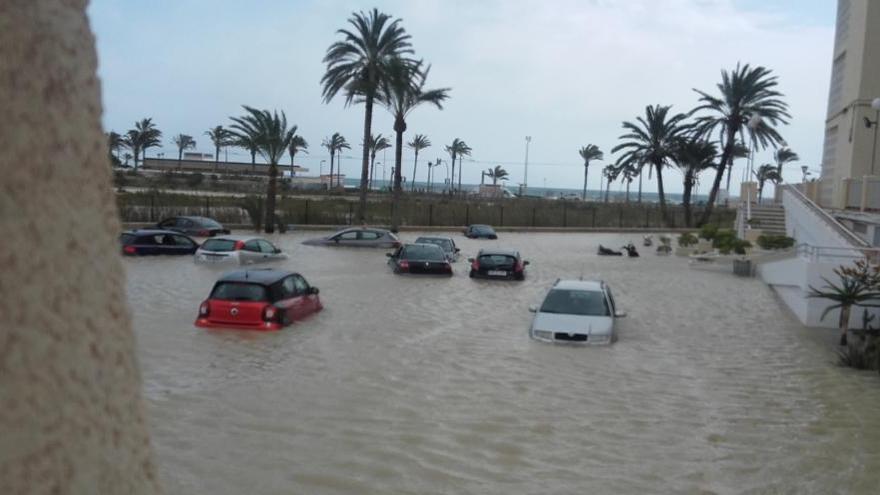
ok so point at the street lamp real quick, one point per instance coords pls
(806, 171)
(526, 172)
(874, 123)
(380, 164)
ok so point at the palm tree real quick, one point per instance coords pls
(272, 136)
(145, 135)
(418, 143)
(652, 141)
(297, 144)
(221, 137)
(457, 149)
(357, 66)
(782, 156)
(740, 150)
(611, 173)
(497, 174)
(764, 173)
(183, 142)
(745, 93)
(588, 153)
(334, 144)
(245, 142)
(376, 144)
(115, 142)
(693, 155)
(853, 290)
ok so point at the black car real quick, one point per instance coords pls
(420, 259)
(478, 231)
(153, 242)
(197, 226)
(445, 243)
(498, 263)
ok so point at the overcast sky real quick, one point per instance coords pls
(565, 72)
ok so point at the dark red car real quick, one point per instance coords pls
(258, 300)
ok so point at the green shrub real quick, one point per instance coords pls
(193, 180)
(725, 241)
(254, 206)
(708, 232)
(687, 239)
(775, 241)
(740, 246)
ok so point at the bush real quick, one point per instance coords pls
(254, 206)
(775, 241)
(708, 232)
(193, 180)
(687, 240)
(725, 241)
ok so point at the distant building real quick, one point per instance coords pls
(193, 155)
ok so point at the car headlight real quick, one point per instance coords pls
(543, 334)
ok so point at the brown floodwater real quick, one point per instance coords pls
(412, 385)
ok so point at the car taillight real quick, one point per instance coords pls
(447, 268)
(205, 309)
(129, 250)
(269, 313)
(519, 266)
(475, 265)
(404, 265)
(239, 245)
(203, 233)
(396, 244)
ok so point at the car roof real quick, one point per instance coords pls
(498, 251)
(243, 238)
(266, 276)
(480, 225)
(421, 244)
(434, 238)
(146, 232)
(587, 285)
(355, 229)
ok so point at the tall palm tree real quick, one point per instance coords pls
(377, 143)
(247, 143)
(611, 172)
(401, 93)
(221, 137)
(272, 136)
(297, 144)
(334, 144)
(740, 150)
(115, 142)
(497, 173)
(745, 93)
(783, 156)
(145, 135)
(693, 155)
(418, 143)
(764, 173)
(457, 149)
(589, 153)
(183, 142)
(652, 141)
(357, 66)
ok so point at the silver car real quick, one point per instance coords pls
(358, 237)
(238, 250)
(445, 243)
(576, 312)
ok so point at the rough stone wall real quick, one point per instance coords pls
(71, 415)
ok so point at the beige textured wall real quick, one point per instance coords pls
(71, 415)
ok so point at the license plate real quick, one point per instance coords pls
(497, 273)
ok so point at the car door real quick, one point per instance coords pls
(347, 238)
(186, 226)
(168, 224)
(307, 302)
(268, 250)
(184, 245)
(250, 253)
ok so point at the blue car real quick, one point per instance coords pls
(156, 242)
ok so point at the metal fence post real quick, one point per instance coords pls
(350, 212)
(467, 214)
(564, 215)
(307, 213)
(534, 209)
(594, 216)
(152, 207)
(647, 217)
(430, 214)
(502, 215)
(620, 216)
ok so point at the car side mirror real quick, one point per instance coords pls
(470, 260)
(314, 291)
(389, 255)
(277, 250)
(533, 309)
(336, 240)
(457, 250)
(620, 314)
(525, 263)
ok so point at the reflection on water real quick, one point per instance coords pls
(431, 385)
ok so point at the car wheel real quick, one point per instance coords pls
(472, 274)
(519, 276)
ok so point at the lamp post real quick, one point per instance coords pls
(321, 167)
(805, 170)
(754, 122)
(874, 123)
(526, 171)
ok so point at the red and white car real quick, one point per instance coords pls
(258, 300)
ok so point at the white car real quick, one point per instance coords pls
(238, 250)
(576, 312)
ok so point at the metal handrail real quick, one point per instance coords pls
(813, 252)
(829, 219)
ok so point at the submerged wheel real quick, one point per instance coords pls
(471, 274)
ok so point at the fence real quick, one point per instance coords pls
(152, 206)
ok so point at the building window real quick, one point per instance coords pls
(843, 15)
(860, 228)
(836, 91)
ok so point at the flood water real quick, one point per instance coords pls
(407, 385)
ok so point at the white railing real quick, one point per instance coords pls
(827, 218)
(835, 254)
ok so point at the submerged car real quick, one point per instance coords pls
(445, 243)
(479, 231)
(358, 237)
(420, 259)
(238, 250)
(195, 226)
(258, 300)
(498, 263)
(576, 312)
(148, 242)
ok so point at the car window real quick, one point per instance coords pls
(423, 252)
(127, 239)
(351, 235)
(576, 302)
(266, 247)
(288, 288)
(239, 291)
(219, 245)
(185, 223)
(496, 260)
(164, 240)
(444, 244)
(252, 245)
(167, 223)
(209, 223)
(611, 298)
(183, 241)
(301, 285)
(369, 235)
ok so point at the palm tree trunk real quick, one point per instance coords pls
(452, 176)
(686, 198)
(640, 186)
(726, 157)
(607, 189)
(844, 323)
(372, 170)
(586, 169)
(270, 199)
(628, 182)
(663, 212)
(292, 172)
(459, 174)
(179, 158)
(365, 164)
(216, 157)
(136, 153)
(412, 182)
(331, 170)
(729, 173)
(398, 165)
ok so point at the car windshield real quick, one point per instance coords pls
(127, 238)
(427, 253)
(219, 245)
(482, 229)
(576, 302)
(496, 260)
(207, 222)
(445, 244)
(239, 291)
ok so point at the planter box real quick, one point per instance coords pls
(704, 246)
(684, 251)
(753, 234)
(742, 267)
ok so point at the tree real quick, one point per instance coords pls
(652, 140)
(692, 155)
(183, 142)
(589, 153)
(248, 143)
(740, 150)
(357, 66)
(858, 286)
(334, 144)
(115, 142)
(764, 173)
(783, 156)
(457, 149)
(297, 144)
(418, 143)
(145, 135)
(611, 172)
(401, 93)
(376, 144)
(272, 136)
(496, 174)
(221, 137)
(745, 93)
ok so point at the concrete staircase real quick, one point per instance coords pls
(769, 218)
